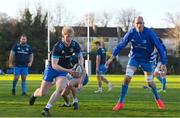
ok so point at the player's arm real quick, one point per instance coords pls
(122, 44)
(31, 58)
(109, 61)
(11, 58)
(161, 51)
(58, 67)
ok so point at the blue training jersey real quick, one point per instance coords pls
(142, 45)
(68, 56)
(102, 53)
(22, 53)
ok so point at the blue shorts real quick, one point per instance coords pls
(20, 71)
(145, 66)
(50, 74)
(102, 70)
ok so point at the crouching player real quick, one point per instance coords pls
(75, 85)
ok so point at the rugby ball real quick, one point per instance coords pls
(78, 70)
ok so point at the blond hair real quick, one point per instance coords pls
(67, 30)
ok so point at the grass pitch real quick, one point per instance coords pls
(138, 102)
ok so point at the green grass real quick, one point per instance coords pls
(138, 102)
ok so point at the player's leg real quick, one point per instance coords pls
(102, 71)
(72, 86)
(163, 75)
(107, 82)
(157, 72)
(131, 68)
(99, 84)
(24, 73)
(39, 92)
(46, 83)
(148, 72)
(15, 80)
(61, 84)
(65, 94)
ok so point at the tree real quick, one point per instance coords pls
(84, 20)
(125, 18)
(103, 19)
(174, 33)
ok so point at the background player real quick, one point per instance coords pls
(21, 57)
(100, 67)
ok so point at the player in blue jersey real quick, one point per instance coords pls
(143, 41)
(160, 74)
(100, 67)
(21, 57)
(59, 67)
(75, 84)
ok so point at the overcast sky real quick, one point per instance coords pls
(153, 11)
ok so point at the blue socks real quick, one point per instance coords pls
(14, 84)
(23, 85)
(123, 93)
(159, 78)
(154, 91)
(164, 84)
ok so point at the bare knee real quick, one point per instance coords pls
(127, 80)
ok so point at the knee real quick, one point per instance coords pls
(127, 80)
(42, 93)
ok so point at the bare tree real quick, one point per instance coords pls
(125, 18)
(174, 33)
(104, 18)
(61, 16)
(84, 20)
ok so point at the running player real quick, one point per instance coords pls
(58, 68)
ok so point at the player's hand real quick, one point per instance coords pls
(11, 65)
(29, 64)
(80, 86)
(109, 61)
(73, 73)
(163, 70)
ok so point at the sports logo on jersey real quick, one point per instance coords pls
(27, 49)
(144, 41)
(133, 40)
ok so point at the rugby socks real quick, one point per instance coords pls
(75, 100)
(164, 84)
(159, 78)
(48, 106)
(123, 93)
(154, 91)
(23, 85)
(14, 84)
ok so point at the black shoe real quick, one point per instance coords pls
(64, 105)
(45, 112)
(13, 92)
(75, 106)
(32, 100)
(24, 94)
